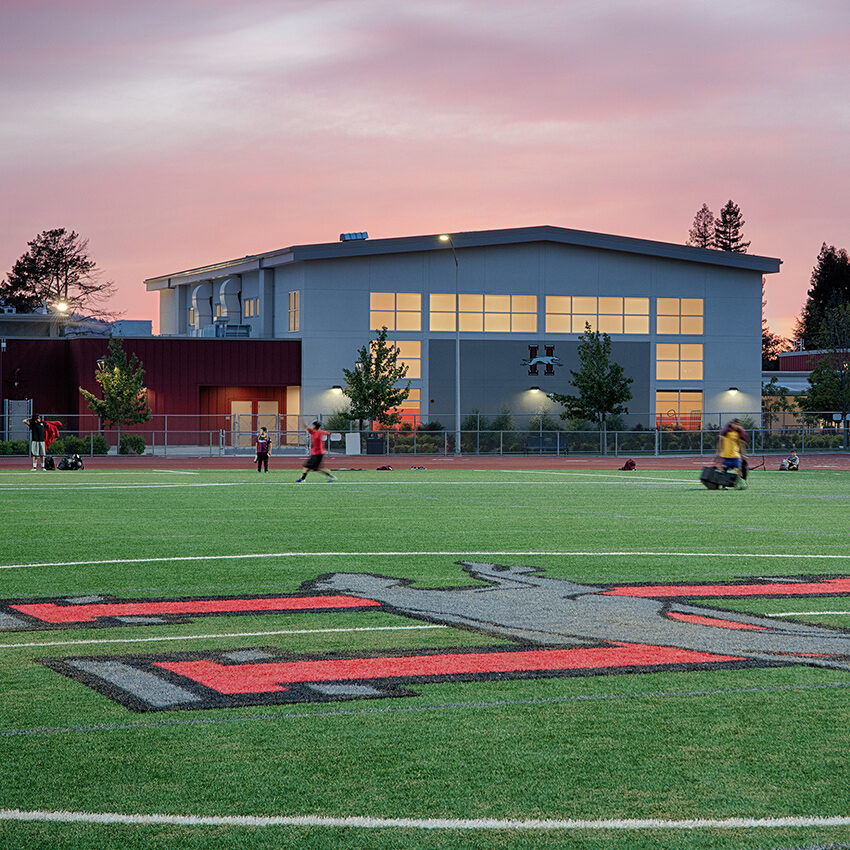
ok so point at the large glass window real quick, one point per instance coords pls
(410, 354)
(606, 314)
(674, 361)
(679, 316)
(411, 407)
(484, 313)
(396, 311)
(678, 409)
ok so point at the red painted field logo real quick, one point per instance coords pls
(553, 627)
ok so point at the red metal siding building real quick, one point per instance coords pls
(200, 377)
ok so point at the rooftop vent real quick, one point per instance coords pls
(353, 237)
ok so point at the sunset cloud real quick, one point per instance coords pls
(173, 134)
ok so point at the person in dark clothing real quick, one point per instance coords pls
(264, 447)
(37, 435)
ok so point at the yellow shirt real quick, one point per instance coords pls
(730, 444)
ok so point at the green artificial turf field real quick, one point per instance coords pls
(180, 668)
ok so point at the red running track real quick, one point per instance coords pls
(833, 461)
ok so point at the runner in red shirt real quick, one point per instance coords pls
(317, 453)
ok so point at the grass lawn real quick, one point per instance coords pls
(144, 568)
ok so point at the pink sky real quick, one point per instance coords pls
(175, 134)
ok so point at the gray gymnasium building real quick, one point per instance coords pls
(685, 322)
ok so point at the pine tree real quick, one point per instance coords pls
(122, 383)
(830, 288)
(371, 383)
(727, 230)
(701, 234)
(56, 269)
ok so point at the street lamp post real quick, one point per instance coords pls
(447, 238)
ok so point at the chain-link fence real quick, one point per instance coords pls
(541, 434)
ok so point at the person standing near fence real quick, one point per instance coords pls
(264, 447)
(37, 435)
(317, 453)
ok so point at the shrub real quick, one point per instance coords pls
(339, 420)
(14, 447)
(70, 444)
(132, 444)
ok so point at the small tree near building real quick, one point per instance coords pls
(829, 380)
(775, 399)
(603, 388)
(371, 384)
(121, 379)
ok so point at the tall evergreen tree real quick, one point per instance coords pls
(122, 382)
(701, 234)
(56, 269)
(727, 230)
(830, 288)
(371, 383)
(603, 388)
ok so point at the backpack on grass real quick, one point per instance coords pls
(71, 462)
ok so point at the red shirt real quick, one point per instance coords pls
(316, 438)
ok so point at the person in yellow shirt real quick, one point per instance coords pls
(731, 449)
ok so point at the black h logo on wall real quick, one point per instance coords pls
(548, 360)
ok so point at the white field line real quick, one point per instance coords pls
(594, 475)
(421, 823)
(211, 636)
(591, 478)
(804, 613)
(454, 554)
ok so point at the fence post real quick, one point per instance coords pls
(656, 441)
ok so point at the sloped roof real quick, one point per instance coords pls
(470, 239)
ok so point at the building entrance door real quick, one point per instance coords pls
(241, 421)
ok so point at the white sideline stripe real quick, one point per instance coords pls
(227, 635)
(461, 554)
(805, 613)
(421, 823)
(595, 475)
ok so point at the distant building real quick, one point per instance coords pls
(132, 327)
(684, 322)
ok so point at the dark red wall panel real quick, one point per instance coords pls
(51, 371)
